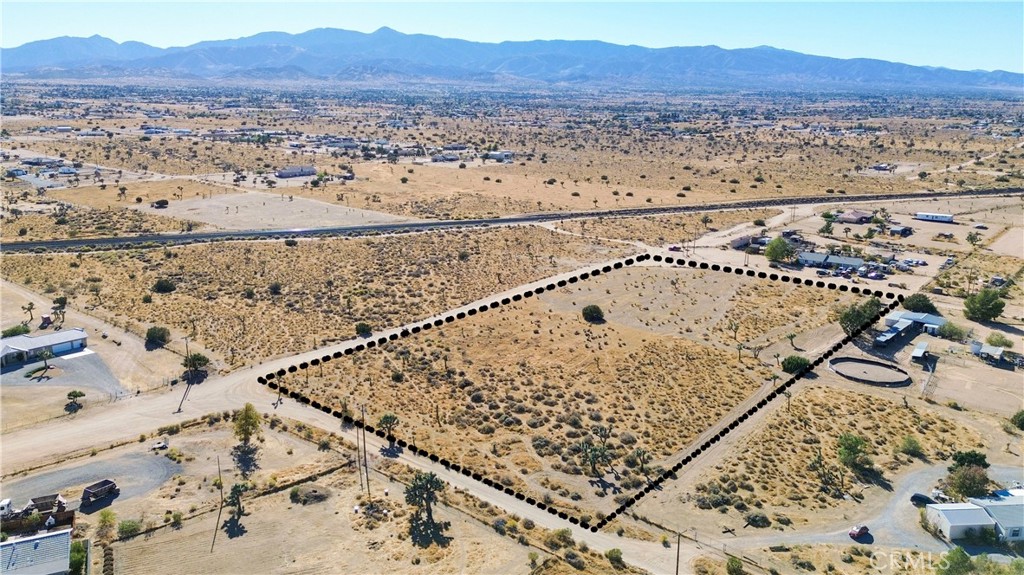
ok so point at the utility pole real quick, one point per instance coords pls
(188, 381)
(679, 538)
(359, 461)
(366, 460)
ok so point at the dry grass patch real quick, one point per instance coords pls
(771, 471)
(657, 230)
(975, 270)
(252, 300)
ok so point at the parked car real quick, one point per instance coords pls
(920, 499)
(159, 445)
(675, 249)
(980, 227)
(858, 531)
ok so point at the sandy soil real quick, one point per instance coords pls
(538, 369)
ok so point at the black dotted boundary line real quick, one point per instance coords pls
(269, 379)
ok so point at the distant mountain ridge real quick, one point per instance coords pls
(334, 55)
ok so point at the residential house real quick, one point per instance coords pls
(21, 348)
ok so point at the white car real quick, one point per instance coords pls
(159, 445)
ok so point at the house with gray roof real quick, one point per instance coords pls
(21, 348)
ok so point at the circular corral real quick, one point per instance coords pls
(870, 371)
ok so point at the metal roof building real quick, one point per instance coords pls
(24, 347)
(954, 519)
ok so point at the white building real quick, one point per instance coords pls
(25, 347)
(1007, 512)
(43, 554)
(954, 519)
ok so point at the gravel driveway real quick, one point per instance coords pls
(81, 370)
(136, 475)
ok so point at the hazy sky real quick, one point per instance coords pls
(959, 35)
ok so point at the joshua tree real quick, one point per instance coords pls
(28, 309)
(777, 355)
(603, 433)
(388, 422)
(791, 337)
(734, 327)
(739, 351)
(422, 492)
(46, 355)
(705, 219)
(846, 231)
(643, 457)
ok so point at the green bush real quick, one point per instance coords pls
(77, 565)
(911, 446)
(20, 329)
(615, 558)
(999, 340)
(164, 285)
(128, 528)
(593, 314)
(157, 335)
(795, 363)
(363, 329)
(1018, 420)
(952, 332)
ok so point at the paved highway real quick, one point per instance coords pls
(152, 240)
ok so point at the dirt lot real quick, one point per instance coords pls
(661, 230)
(475, 391)
(247, 301)
(770, 471)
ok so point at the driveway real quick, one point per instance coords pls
(83, 369)
(136, 475)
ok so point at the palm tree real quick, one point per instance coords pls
(28, 309)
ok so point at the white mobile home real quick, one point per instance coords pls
(930, 217)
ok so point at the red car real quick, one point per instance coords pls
(858, 531)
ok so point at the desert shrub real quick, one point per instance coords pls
(157, 335)
(363, 329)
(559, 538)
(274, 288)
(573, 558)
(291, 243)
(499, 525)
(911, 446)
(999, 340)
(528, 524)
(77, 565)
(757, 519)
(593, 314)
(952, 332)
(615, 557)
(128, 528)
(734, 566)
(293, 495)
(164, 285)
(795, 363)
(1018, 420)
(20, 329)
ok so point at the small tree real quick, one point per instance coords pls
(857, 316)
(852, 452)
(422, 493)
(955, 562)
(388, 422)
(76, 565)
(593, 314)
(919, 303)
(108, 519)
(247, 423)
(195, 362)
(734, 566)
(778, 250)
(795, 363)
(28, 309)
(985, 305)
(45, 355)
(363, 329)
(999, 340)
(974, 238)
(158, 336)
(968, 481)
(234, 498)
(968, 459)
(74, 396)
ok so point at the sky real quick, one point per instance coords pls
(958, 35)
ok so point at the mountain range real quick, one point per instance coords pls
(330, 56)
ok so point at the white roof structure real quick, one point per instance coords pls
(29, 343)
(963, 514)
(1006, 511)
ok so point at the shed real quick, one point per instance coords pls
(920, 352)
(954, 519)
